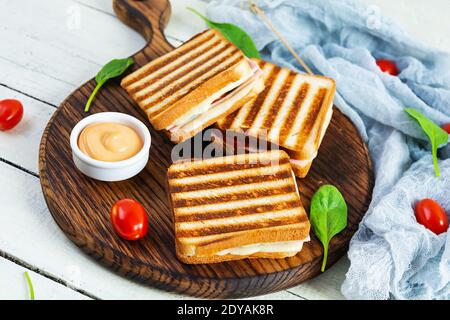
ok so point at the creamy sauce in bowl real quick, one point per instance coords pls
(109, 141)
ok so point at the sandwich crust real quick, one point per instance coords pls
(231, 257)
(206, 251)
(301, 170)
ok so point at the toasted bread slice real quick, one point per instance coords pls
(231, 202)
(293, 111)
(178, 87)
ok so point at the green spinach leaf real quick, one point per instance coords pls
(328, 216)
(112, 69)
(438, 137)
(234, 34)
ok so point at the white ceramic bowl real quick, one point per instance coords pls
(111, 171)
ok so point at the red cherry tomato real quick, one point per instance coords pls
(11, 112)
(430, 214)
(129, 219)
(388, 66)
(446, 127)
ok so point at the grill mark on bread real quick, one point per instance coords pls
(244, 93)
(261, 139)
(241, 227)
(162, 61)
(234, 53)
(294, 111)
(159, 82)
(311, 117)
(251, 116)
(217, 192)
(178, 59)
(276, 88)
(228, 120)
(272, 207)
(176, 88)
(240, 160)
(223, 167)
(261, 63)
(278, 103)
(241, 114)
(246, 195)
(209, 242)
(323, 119)
(212, 205)
(284, 121)
(207, 54)
(282, 174)
(215, 207)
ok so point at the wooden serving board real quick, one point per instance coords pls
(81, 206)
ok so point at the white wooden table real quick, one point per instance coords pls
(47, 49)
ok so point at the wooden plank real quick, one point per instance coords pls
(62, 44)
(327, 285)
(182, 25)
(13, 285)
(49, 53)
(21, 144)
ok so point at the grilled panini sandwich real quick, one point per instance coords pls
(193, 86)
(236, 207)
(293, 111)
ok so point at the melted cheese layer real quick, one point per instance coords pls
(268, 247)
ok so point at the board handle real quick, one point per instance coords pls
(149, 18)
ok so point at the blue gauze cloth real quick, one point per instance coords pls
(391, 255)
